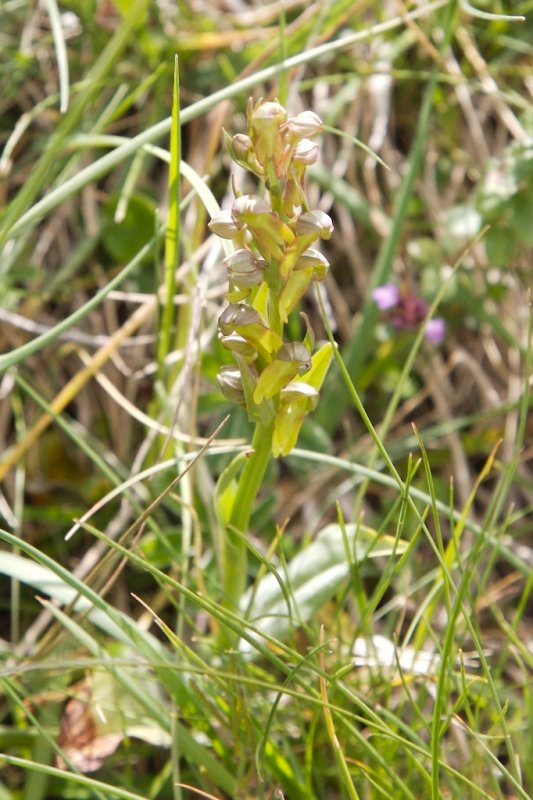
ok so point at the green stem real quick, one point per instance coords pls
(236, 552)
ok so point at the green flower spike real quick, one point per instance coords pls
(277, 382)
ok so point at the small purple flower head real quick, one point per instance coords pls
(386, 296)
(435, 330)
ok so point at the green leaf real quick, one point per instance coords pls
(522, 207)
(124, 239)
(312, 577)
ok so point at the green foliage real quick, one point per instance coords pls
(181, 614)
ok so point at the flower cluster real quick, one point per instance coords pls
(269, 271)
(407, 311)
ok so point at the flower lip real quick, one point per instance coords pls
(245, 269)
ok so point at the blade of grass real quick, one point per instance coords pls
(106, 789)
(172, 239)
(336, 398)
(332, 735)
(61, 54)
(24, 351)
(11, 228)
(49, 164)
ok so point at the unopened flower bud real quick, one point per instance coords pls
(314, 222)
(230, 382)
(305, 125)
(224, 225)
(297, 353)
(241, 146)
(244, 268)
(236, 315)
(267, 115)
(313, 259)
(306, 152)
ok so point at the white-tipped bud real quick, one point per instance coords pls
(315, 260)
(314, 222)
(224, 225)
(296, 351)
(244, 268)
(236, 315)
(268, 115)
(306, 152)
(306, 124)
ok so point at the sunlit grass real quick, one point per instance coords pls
(381, 648)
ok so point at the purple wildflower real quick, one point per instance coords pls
(406, 311)
(386, 296)
(435, 330)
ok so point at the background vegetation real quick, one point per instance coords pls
(383, 648)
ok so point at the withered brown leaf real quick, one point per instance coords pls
(79, 738)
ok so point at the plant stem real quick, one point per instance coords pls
(235, 558)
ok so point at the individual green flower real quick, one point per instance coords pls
(297, 400)
(244, 268)
(242, 151)
(291, 360)
(306, 152)
(266, 116)
(304, 125)
(223, 225)
(248, 323)
(309, 226)
(230, 382)
(270, 234)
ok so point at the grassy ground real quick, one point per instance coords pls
(382, 647)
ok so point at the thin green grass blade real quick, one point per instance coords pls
(15, 223)
(34, 345)
(336, 398)
(172, 239)
(49, 164)
(61, 54)
(104, 789)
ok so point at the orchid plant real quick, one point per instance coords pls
(272, 266)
